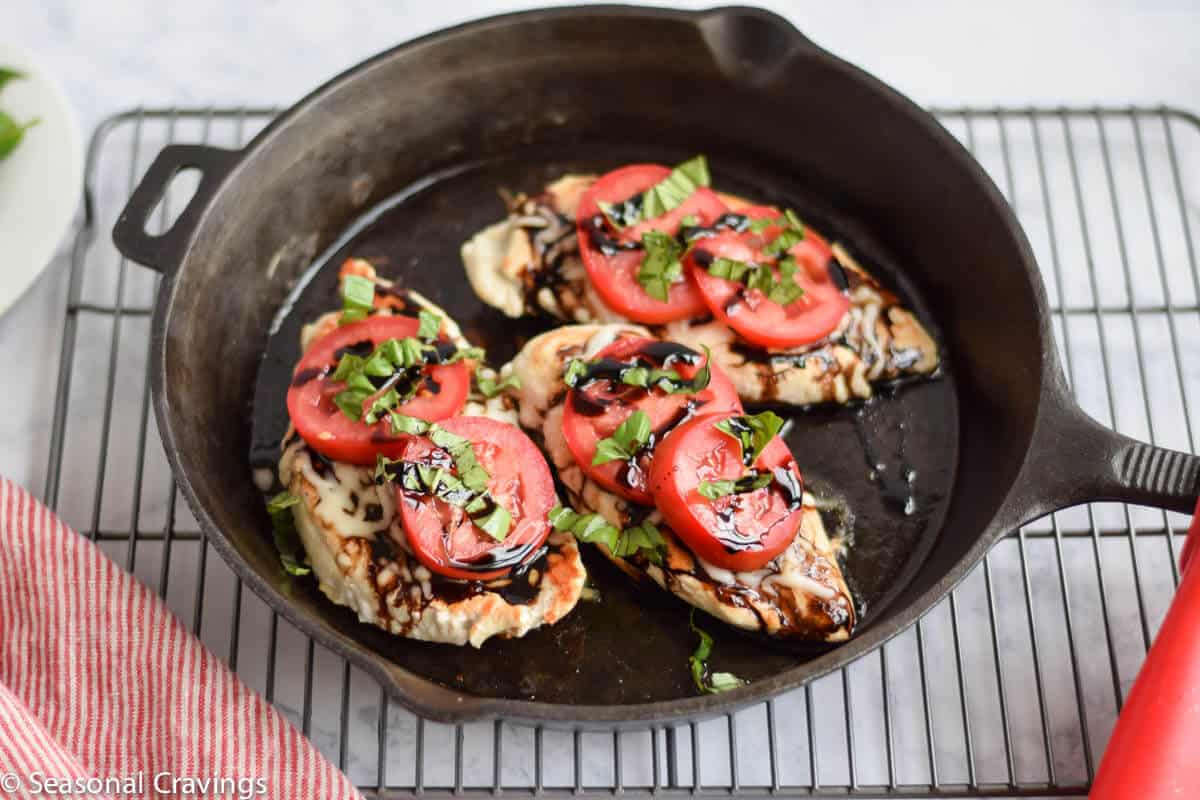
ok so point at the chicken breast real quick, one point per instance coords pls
(358, 552)
(529, 264)
(356, 544)
(800, 594)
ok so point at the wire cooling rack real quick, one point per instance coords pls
(1009, 688)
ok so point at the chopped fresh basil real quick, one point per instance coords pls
(630, 436)
(644, 538)
(575, 370)
(11, 133)
(470, 472)
(747, 483)
(351, 402)
(495, 523)
(784, 290)
(623, 214)
(465, 354)
(468, 489)
(676, 188)
(708, 682)
(389, 359)
(689, 221)
(665, 380)
(282, 501)
(8, 74)
(284, 534)
(662, 266)
(753, 432)
(489, 386)
(402, 423)
(430, 325)
(358, 298)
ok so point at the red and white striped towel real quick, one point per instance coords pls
(100, 681)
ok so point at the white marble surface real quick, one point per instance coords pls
(122, 53)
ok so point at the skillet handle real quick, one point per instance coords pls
(1074, 459)
(164, 251)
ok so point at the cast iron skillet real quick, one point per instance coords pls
(405, 153)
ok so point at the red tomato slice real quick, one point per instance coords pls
(445, 539)
(748, 312)
(328, 430)
(740, 532)
(612, 266)
(595, 410)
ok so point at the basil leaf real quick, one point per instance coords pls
(644, 538)
(495, 523)
(761, 224)
(609, 450)
(465, 354)
(634, 432)
(281, 501)
(575, 371)
(9, 74)
(377, 364)
(783, 290)
(11, 133)
(706, 682)
(358, 298)
(703, 375)
(716, 489)
(411, 353)
(351, 402)
(724, 681)
(381, 405)
(750, 482)
(489, 387)
(662, 266)
(676, 188)
(629, 437)
(470, 471)
(595, 529)
(753, 432)
(359, 382)
(390, 349)
(284, 533)
(430, 325)
(402, 423)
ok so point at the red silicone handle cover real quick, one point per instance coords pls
(1152, 753)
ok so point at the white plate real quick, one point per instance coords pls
(41, 181)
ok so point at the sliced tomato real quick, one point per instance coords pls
(595, 410)
(748, 311)
(328, 430)
(612, 258)
(739, 532)
(444, 538)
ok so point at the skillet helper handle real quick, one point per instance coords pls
(1152, 752)
(163, 252)
(1076, 460)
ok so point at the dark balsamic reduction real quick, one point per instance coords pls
(305, 375)
(361, 349)
(837, 274)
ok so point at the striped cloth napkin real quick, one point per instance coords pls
(102, 687)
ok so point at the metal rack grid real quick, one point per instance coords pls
(1009, 688)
